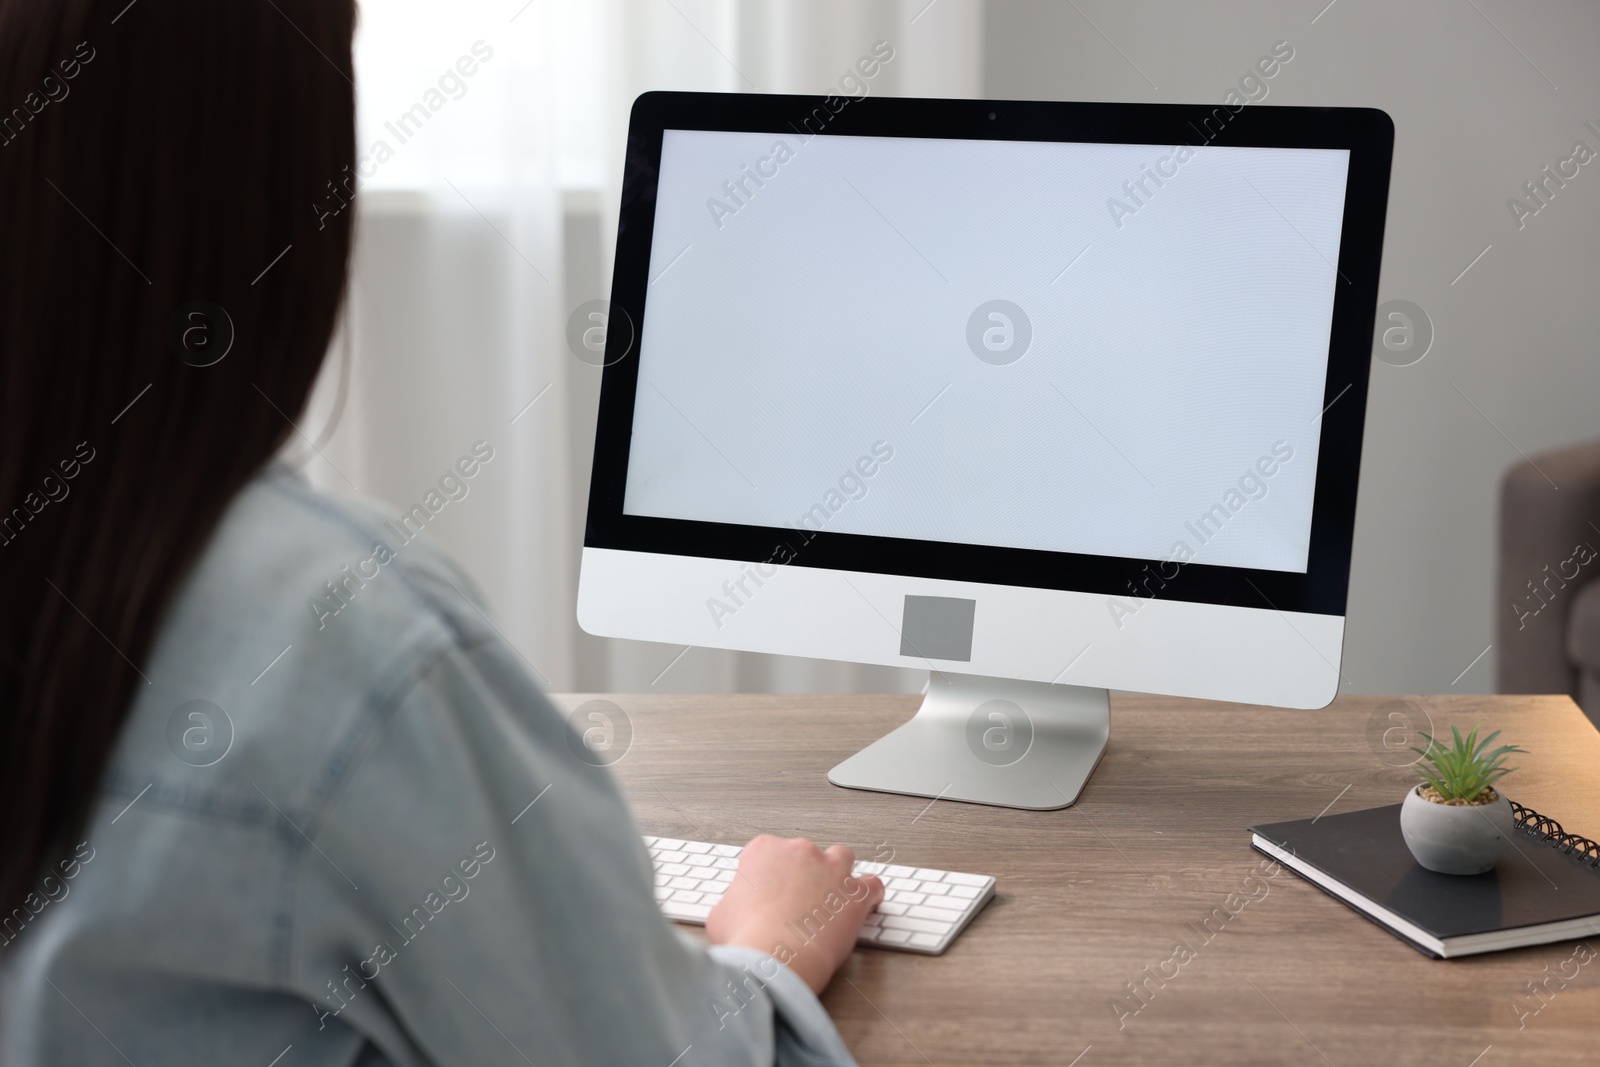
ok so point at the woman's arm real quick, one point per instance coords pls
(478, 893)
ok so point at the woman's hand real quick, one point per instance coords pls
(796, 902)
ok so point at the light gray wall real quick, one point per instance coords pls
(1483, 94)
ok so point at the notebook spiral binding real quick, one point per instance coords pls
(1550, 831)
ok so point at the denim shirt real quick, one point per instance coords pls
(341, 825)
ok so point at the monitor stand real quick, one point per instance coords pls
(989, 741)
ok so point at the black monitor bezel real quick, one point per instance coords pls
(1367, 133)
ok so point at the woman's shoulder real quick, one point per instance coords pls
(305, 639)
(336, 553)
(302, 621)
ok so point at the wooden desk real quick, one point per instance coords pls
(1088, 897)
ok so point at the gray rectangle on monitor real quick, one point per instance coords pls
(937, 627)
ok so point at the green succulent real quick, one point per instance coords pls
(1466, 767)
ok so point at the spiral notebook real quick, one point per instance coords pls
(1546, 888)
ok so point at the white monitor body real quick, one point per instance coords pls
(1208, 651)
(1016, 712)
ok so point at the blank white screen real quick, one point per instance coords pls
(1177, 342)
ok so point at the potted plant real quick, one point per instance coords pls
(1455, 821)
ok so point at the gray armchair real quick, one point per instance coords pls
(1548, 591)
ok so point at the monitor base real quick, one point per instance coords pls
(995, 741)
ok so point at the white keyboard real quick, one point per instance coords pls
(923, 910)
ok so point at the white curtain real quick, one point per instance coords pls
(492, 134)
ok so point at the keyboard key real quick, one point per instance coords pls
(891, 907)
(909, 898)
(921, 926)
(923, 874)
(648, 841)
(935, 888)
(966, 879)
(897, 872)
(674, 869)
(686, 911)
(685, 896)
(699, 861)
(903, 883)
(965, 892)
(925, 940)
(684, 883)
(893, 937)
(867, 870)
(726, 850)
(670, 857)
(698, 847)
(951, 909)
(668, 843)
(943, 915)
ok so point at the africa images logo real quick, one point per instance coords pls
(999, 332)
(199, 733)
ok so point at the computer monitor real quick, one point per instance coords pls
(1045, 398)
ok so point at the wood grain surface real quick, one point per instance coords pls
(1091, 896)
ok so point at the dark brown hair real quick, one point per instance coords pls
(159, 165)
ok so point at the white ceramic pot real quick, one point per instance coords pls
(1456, 839)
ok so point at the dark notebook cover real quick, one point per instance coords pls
(1533, 884)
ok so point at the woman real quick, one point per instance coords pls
(235, 829)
